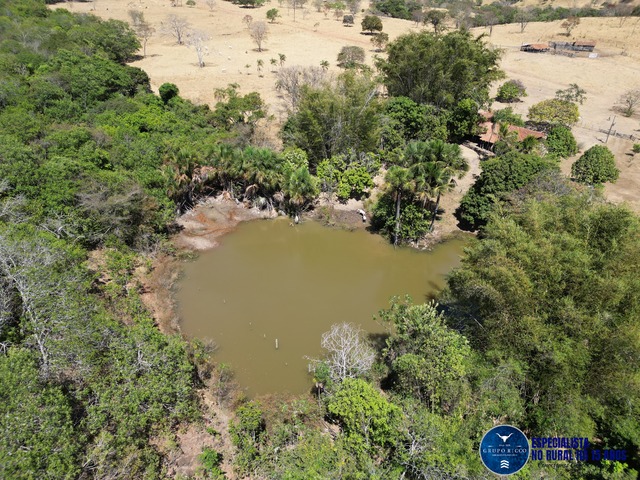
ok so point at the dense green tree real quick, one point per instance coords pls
(40, 439)
(424, 172)
(561, 142)
(551, 287)
(433, 166)
(440, 69)
(554, 112)
(371, 23)
(511, 91)
(398, 180)
(113, 38)
(500, 176)
(238, 113)
(436, 18)
(597, 165)
(88, 79)
(368, 420)
(406, 120)
(300, 188)
(414, 219)
(398, 8)
(429, 361)
(463, 120)
(167, 91)
(96, 162)
(435, 446)
(272, 14)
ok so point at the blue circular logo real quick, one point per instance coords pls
(504, 450)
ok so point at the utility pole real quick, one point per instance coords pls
(613, 122)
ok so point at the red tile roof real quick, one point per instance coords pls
(491, 134)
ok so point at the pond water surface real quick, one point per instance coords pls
(268, 280)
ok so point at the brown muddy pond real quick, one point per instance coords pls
(268, 280)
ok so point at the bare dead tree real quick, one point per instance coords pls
(523, 17)
(623, 12)
(354, 6)
(569, 24)
(296, 4)
(259, 32)
(490, 19)
(349, 354)
(41, 286)
(198, 40)
(177, 27)
(211, 4)
(290, 80)
(629, 101)
(137, 17)
(144, 31)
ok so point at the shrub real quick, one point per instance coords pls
(554, 112)
(500, 176)
(597, 165)
(168, 91)
(350, 56)
(272, 14)
(561, 142)
(371, 23)
(211, 460)
(506, 115)
(353, 183)
(511, 91)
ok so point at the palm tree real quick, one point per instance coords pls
(399, 181)
(226, 161)
(507, 136)
(261, 174)
(183, 166)
(440, 181)
(301, 189)
(433, 165)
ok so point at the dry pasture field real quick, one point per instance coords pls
(313, 37)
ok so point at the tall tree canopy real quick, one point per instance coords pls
(500, 176)
(440, 69)
(337, 117)
(553, 286)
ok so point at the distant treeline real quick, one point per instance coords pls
(497, 13)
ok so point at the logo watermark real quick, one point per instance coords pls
(504, 450)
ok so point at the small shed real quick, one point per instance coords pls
(584, 45)
(534, 47)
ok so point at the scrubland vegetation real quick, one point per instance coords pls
(538, 328)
